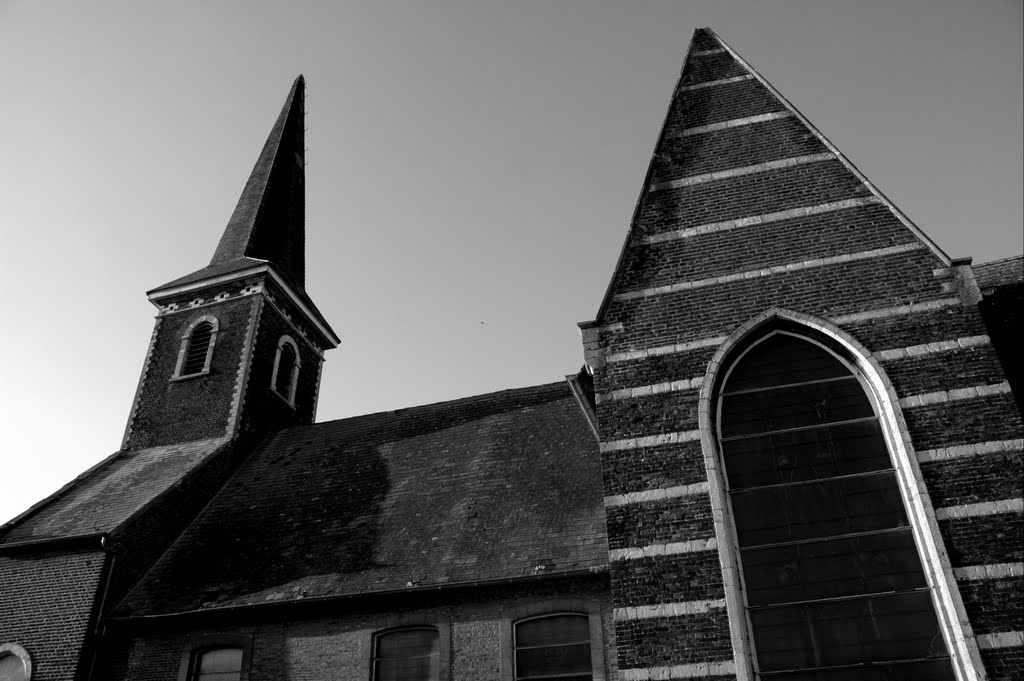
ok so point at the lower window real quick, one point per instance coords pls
(553, 646)
(219, 664)
(409, 654)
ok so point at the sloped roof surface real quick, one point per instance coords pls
(490, 487)
(1000, 272)
(107, 496)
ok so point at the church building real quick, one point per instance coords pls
(793, 453)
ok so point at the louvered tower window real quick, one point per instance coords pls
(198, 347)
(286, 369)
(834, 584)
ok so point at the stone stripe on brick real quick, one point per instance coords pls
(656, 494)
(1005, 639)
(884, 312)
(761, 219)
(931, 348)
(959, 451)
(743, 170)
(644, 390)
(978, 510)
(650, 441)
(993, 571)
(666, 349)
(713, 83)
(769, 271)
(672, 549)
(941, 396)
(708, 53)
(644, 612)
(734, 123)
(698, 670)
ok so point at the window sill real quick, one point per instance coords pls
(189, 377)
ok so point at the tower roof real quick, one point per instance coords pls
(268, 223)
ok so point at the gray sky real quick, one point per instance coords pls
(472, 169)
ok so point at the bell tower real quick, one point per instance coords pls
(238, 345)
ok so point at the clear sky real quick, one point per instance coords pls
(472, 169)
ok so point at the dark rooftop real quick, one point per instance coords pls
(496, 486)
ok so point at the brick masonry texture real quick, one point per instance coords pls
(964, 422)
(671, 367)
(984, 540)
(46, 600)
(336, 646)
(1003, 311)
(712, 67)
(994, 605)
(946, 323)
(673, 578)
(748, 195)
(192, 408)
(674, 640)
(660, 522)
(973, 479)
(718, 104)
(733, 148)
(717, 310)
(785, 242)
(651, 414)
(965, 368)
(636, 470)
(1006, 664)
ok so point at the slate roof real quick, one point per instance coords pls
(108, 494)
(998, 273)
(491, 487)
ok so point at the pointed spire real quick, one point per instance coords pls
(269, 220)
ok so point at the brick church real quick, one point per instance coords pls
(794, 452)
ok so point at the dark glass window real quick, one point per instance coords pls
(411, 654)
(285, 370)
(553, 647)
(198, 346)
(220, 664)
(834, 584)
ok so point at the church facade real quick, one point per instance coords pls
(794, 452)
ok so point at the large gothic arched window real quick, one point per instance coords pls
(832, 578)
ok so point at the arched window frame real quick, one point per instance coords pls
(15, 650)
(186, 338)
(388, 624)
(949, 608)
(296, 366)
(549, 607)
(197, 645)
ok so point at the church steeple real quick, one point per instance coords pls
(238, 344)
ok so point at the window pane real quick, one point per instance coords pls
(285, 366)
(550, 660)
(891, 627)
(221, 660)
(553, 630)
(821, 452)
(407, 655)
(818, 509)
(925, 670)
(798, 406)
(834, 568)
(781, 359)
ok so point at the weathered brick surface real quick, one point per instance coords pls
(1005, 664)
(984, 540)
(974, 479)
(46, 601)
(718, 104)
(733, 148)
(752, 248)
(673, 578)
(946, 323)
(660, 522)
(1003, 312)
(712, 67)
(994, 605)
(659, 413)
(964, 368)
(959, 422)
(687, 639)
(635, 470)
(334, 646)
(657, 369)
